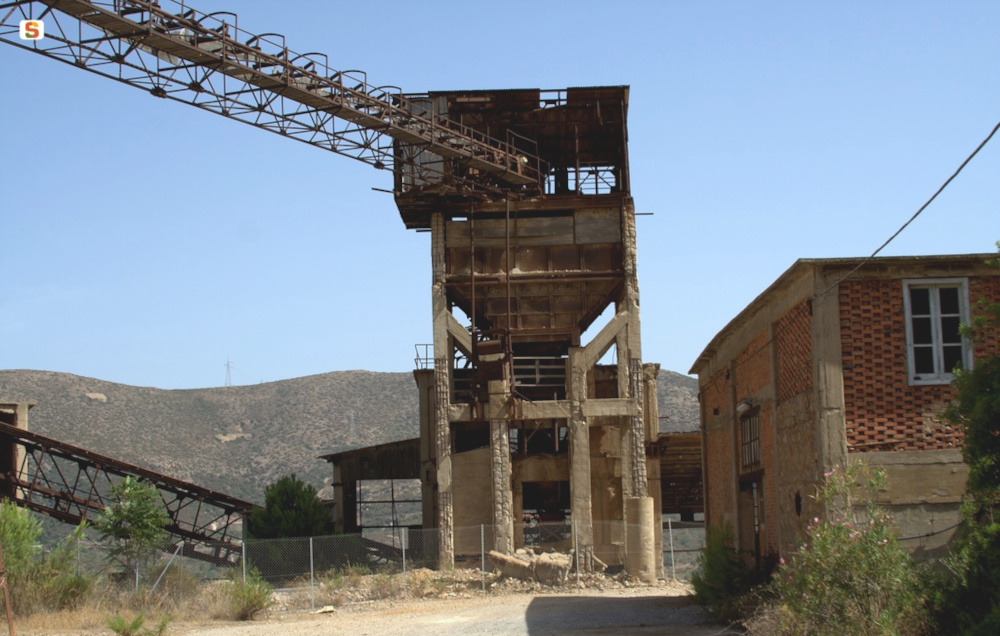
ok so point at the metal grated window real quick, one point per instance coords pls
(750, 440)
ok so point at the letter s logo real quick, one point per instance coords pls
(32, 29)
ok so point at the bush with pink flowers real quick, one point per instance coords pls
(850, 576)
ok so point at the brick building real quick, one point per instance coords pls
(828, 365)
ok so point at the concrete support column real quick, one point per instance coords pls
(339, 505)
(581, 508)
(428, 447)
(831, 435)
(637, 431)
(442, 395)
(651, 421)
(12, 456)
(503, 504)
(640, 559)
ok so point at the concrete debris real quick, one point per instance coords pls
(547, 568)
(512, 567)
(552, 568)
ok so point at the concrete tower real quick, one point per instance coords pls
(520, 420)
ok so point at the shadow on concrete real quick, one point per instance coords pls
(594, 615)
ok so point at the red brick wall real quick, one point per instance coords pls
(882, 411)
(752, 378)
(767, 440)
(753, 367)
(987, 289)
(718, 448)
(793, 352)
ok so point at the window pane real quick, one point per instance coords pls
(922, 331)
(952, 357)
(923, 360)
(920, 301)
(949, 330)
(949, 300)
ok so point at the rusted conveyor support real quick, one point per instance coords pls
(206, 60)
(71, 484)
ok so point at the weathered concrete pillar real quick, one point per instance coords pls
(503, 504)
(340, 511)
(831, 435)
(637, 432)
(581, 509)
(640, 560)
(651, 418)
(442, 395)
(12, 455)
(428, 447)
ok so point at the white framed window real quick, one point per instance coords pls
(934, 310)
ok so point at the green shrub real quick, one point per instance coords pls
(124, 627)
(250, 597)
(851, 577)
(39, 581)
(967, 597)
(723, 580)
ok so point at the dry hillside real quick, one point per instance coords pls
(239, 439)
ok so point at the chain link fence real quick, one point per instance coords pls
(385, 561)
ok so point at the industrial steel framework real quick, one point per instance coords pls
(533, 239)
(208, 61)
(72, 484)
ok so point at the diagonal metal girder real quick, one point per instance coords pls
(70, 483)
(207, 61)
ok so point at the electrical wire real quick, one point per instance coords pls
(836, 284)
(915, 214)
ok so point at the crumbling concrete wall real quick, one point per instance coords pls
(472, 492)
(923, 494)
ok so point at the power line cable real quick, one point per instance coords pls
(915, 214)
(864, 261)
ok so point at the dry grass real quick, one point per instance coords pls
(106, 601)
(211, 600)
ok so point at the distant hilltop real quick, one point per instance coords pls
(239, 439)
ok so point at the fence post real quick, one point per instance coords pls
(673, 564)
(243, 560)
(482, 552)
(162, 574)
(403, 536)
(312, 574)
(576, 552)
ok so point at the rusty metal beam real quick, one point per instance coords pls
(207, 61)
(69, 483)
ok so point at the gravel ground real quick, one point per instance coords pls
(662, 609)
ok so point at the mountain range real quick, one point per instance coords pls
(238, 439)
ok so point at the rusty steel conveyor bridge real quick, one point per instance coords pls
(70, 484)
(207, 61)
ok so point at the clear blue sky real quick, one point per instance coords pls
(144, 241)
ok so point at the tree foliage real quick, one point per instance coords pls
(132, 526)
(851, 576)
(969, 601)
(291, 509)
(977, 403)
(39, 581)
(723, 580)
(19, 534)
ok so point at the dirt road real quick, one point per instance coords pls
(655, 610)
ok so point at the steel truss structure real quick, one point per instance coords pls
(207, 61)
(69, 483)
